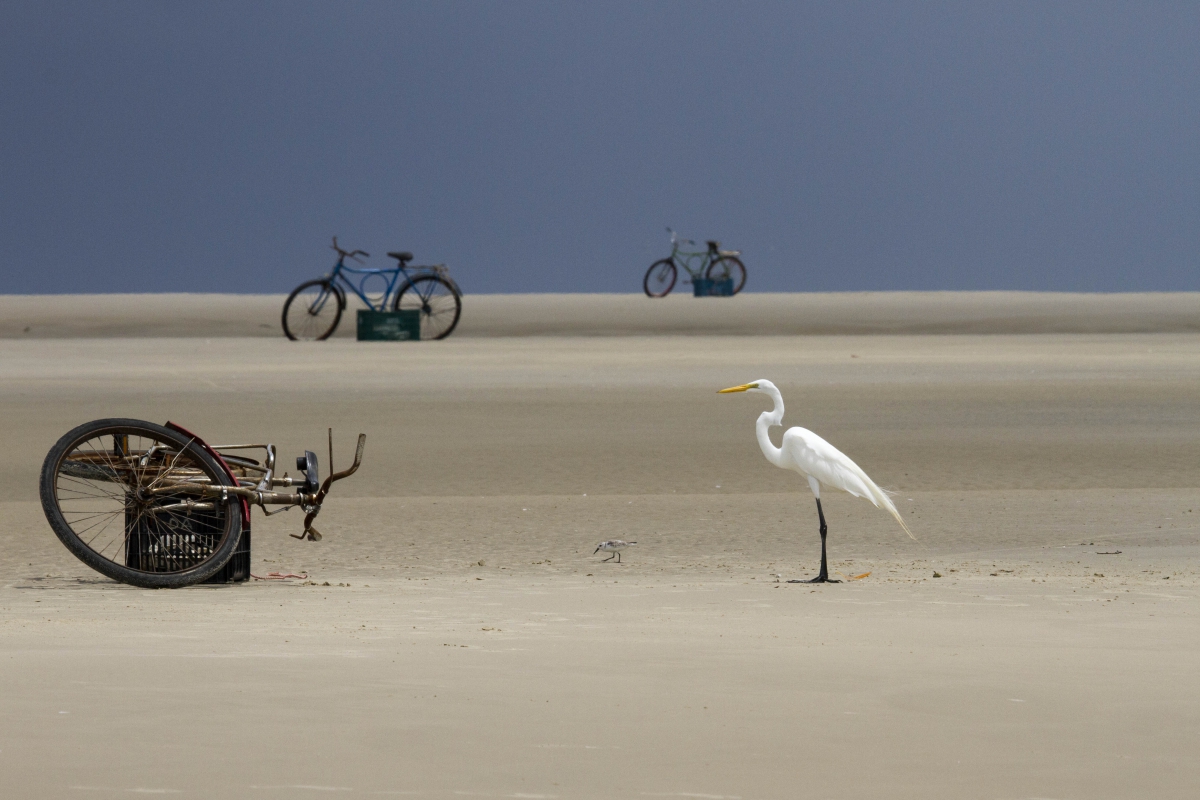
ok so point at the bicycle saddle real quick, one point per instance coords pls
(402, 256)
(713, 245)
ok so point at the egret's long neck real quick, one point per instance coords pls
(766, 421)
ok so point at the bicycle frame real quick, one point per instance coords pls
(255, 481)
(684, 258)
(339, 277)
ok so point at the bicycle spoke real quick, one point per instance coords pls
(102, 524)
(89, 515)
(312, 311)
(436, 302)
(97, 534)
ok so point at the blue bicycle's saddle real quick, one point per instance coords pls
(402, 256)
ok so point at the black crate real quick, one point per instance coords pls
(150, 547)
(237, 568)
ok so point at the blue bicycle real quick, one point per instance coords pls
(314, 308)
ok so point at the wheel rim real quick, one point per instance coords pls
(738, 273)
(728, 268)
(437, 303)
(312, 312)
(660, 278)
(114, 491)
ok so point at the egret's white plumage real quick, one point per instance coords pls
(818, 460)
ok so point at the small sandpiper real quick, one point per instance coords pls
(614, 546)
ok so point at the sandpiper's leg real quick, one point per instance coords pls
(618, 556)
(823, 577)
(610, 558)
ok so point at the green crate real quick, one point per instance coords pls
(389, 326)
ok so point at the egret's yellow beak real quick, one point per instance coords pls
(742, 388)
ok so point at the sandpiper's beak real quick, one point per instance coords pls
(597, 550)
(743, 388)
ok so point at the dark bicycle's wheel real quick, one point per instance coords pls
(727, 267)
(436, 299)
(116, 493)
(312, 311)
(660, 278)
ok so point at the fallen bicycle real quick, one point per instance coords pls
(157, 507)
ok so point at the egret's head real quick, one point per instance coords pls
(760, 385)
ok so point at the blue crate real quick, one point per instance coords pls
(703, 287)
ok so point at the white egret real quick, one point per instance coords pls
(614, 546)
(817, 460)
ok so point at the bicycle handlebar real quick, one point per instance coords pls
(675, 238)
(349, 253)
(315, 508)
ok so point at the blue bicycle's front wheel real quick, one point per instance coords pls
(312, 311)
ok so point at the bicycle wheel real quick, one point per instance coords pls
(312, 311)
(727, 267)
(435, 298)
(116, 493)
(660, 278)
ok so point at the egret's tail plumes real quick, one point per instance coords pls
(820, 460)
(881, 500)
(849, 477)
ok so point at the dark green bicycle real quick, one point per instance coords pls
(714, 264)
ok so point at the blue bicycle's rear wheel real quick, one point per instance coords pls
(312, 311)
(439, 303)
(728, 268)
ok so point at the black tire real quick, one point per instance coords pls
(93, 493)
(660, 278)
(318, 310)
(437, 300)
(728, 267)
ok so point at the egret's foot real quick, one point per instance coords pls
(818, 579)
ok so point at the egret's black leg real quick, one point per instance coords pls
(823, 577)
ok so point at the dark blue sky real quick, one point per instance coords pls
(543, 146)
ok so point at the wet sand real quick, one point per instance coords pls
(1038, 665)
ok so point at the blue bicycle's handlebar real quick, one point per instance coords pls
(348, 254)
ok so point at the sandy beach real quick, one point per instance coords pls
(584, 315)
(457, 637)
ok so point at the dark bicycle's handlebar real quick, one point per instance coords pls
(349, 253)
(311, 533)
